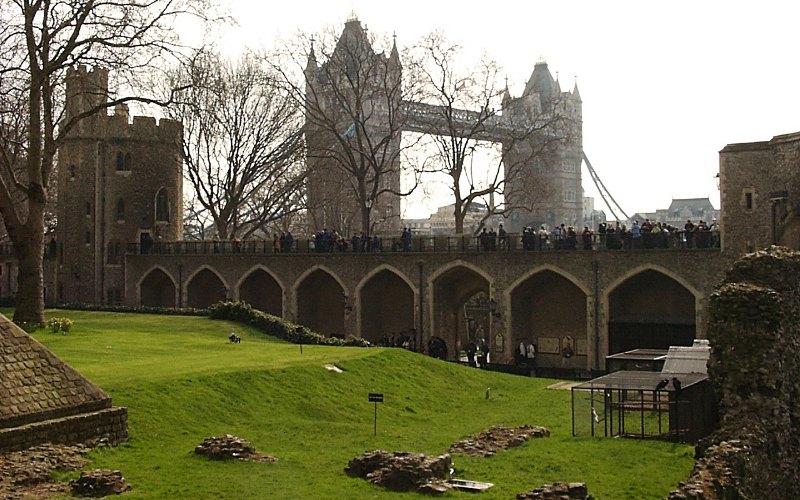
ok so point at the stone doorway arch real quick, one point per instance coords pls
(262, 291)
(204, 288)
(321, 303)
(452, 289)
(386, 309)
(157, 289)
(650, 310)
(549, 310)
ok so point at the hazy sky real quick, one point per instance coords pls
(665, 85)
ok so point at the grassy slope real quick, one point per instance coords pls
(182, 382)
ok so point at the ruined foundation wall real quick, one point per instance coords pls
(110, 424)
(754, 331)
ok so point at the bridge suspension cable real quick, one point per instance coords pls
(603, 190)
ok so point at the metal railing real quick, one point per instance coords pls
(681, 240)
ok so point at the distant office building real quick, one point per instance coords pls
(443, 221)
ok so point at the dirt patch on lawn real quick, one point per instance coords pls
(27, 474)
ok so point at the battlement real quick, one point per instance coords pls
(147, 127)
(119, 126)
(82, 72)
(88, 89)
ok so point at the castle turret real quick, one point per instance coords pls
(86, 90)
(119, 184)
(546, 187)
(357, 89)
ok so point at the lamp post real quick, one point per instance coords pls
(368, 204)
(499, 344)
(492, 306)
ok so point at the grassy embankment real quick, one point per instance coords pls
(182, 382)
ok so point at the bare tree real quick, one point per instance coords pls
(39, 41)
(464, 114)
(242, 143)
(354, 101)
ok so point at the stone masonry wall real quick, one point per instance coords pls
(753, 171)
(754, 331)
(110, 424)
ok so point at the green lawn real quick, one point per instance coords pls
(182, 382)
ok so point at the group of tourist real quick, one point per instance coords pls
(282, 243)
(479, 349)
(608, 236)
(406, 340)
(491, 240)
(525, 354)
(653, 234)
(332, 241)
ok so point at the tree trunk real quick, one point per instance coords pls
(30, 286)
(458, 217)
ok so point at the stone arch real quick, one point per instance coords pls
(322, 301)
(157, 288)
(652, 267)
(549, 267)
(262, 289)
(452, 286)
(205, 287)
(650, 307)
(549, 308)
(385, 306)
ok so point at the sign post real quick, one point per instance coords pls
(376, 398)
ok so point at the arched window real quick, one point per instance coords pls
(114, 252)
(120, 161)
(120, 209)
(162, 205)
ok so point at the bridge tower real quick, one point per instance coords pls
(544, 168)
(119, 183)
(352, 99)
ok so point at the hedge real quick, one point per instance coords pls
(242, 312)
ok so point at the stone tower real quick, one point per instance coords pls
(548, 183)
(354, 83)
(120, 187)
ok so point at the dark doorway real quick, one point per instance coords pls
(261, 291)
(157, 290)
(650, 311)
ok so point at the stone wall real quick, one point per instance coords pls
(754, 331)
(593, 276)
(110, 425)
(749, 173)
